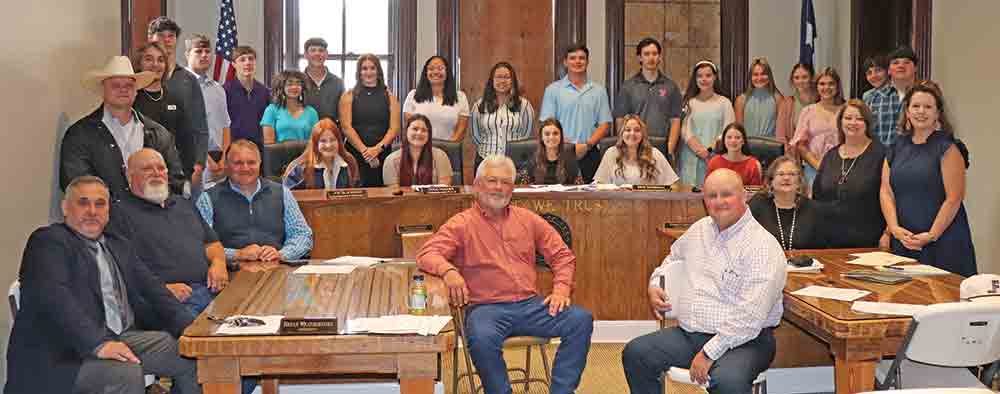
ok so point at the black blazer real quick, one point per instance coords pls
(61, 319)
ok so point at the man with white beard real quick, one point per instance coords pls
(492, 246)
(169, 235)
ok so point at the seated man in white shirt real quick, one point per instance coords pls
(735, 272)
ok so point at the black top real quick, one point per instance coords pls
(183, 84)
(370, 113)
(571, 169)
(170, 240)
(809, 219)
(850, 188)
(169, 111)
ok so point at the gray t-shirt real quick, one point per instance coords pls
(655, 102)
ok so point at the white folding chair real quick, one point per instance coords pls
(683, 376)
(943, 342)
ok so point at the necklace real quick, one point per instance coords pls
(151, 96)
(844, 173)
(781, 230)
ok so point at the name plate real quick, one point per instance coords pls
(346, 194)
(651, 188)
(414, 228)
(753, 189)
(439, 190)
(319, 326)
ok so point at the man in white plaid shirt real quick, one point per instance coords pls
(733, 277)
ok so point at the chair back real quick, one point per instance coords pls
(522, 151)
(279, 155)
(14, 297)
(955, 334)
(765, 149)
(454, 151)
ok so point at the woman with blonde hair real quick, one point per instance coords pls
(633, 160)
(757, 107)
(369, 114)
(816, 132)
(324, 164)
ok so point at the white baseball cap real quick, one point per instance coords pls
(982, 285)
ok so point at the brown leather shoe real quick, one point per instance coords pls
(155, 388)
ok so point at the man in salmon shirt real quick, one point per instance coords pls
(486, 256)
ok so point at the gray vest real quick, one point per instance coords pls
(239, 223)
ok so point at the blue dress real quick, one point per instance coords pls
(918, 187)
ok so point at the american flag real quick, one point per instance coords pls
(225, 43)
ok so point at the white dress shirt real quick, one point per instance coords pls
(127, 135)
(735, 279)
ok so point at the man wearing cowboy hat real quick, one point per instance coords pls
(100, 143)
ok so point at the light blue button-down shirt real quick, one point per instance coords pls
(298, 235)
(580, 111)
(734, 282)
(216, 111)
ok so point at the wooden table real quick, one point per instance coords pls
(613, 234)
(858, 340)
(263, 289)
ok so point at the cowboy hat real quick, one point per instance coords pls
(118, 66)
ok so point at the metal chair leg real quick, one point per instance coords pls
(545, 364)
(527, 369)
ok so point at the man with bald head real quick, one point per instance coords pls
(736, 271)
(169, 235)
(85, 297)
(100, 143)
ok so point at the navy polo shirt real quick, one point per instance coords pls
(170, 240)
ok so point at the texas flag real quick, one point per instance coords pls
(807, 33)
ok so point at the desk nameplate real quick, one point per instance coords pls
(346, 194)
(651, 188)
(308, 326)
(440, 190)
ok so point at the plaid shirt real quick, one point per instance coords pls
(886, 105)
(735, 278)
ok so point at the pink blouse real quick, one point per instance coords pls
(815, 131)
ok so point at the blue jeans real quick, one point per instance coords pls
(646, 357)
(487, 325)
(200, 297)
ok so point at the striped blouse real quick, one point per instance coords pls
(492, 131)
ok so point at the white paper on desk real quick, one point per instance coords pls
(324, 269)
(832, 293)
(361, 261)
(399, 324)
(814, 268)
(422, 187)
(875, 259)
(886, 308)
(271, 326)
(915, 270)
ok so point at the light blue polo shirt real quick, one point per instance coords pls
(579, 110)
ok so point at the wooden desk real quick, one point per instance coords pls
(366, 292)
(614, 234)
(858, 340)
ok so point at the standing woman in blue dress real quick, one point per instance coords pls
(757, 107)
(706, 112)
(923, 185)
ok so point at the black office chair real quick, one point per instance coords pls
(454, 151)
(279, 155)
(765, 150)
(522, 151)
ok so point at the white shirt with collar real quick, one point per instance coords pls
(216, 111)
(128, 135)
(735, 279)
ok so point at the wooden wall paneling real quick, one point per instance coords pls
(272, 54)
(570, 28)
(405, 47)
(136, 15)
(922, 22)
(447, 34)
(615, 49)
(735, 48)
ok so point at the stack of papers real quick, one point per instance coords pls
(875, 259)
(914, 270)
(398, 324)
(815, 267)
(886, 308)
(324, 269)
(832, 293)
(548, 188)
(418, 188)
(358, 261)
(271, 326)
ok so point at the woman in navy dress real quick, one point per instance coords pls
(923, 185)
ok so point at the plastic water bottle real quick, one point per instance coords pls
(418, 296)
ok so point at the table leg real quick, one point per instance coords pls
(853, 376)
(416, 386)
(219, 375)
(269, 386)
(220, 388)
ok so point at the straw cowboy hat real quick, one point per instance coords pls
(118, 66)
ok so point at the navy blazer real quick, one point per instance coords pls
(61, 319)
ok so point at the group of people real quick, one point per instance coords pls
(164, 198)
